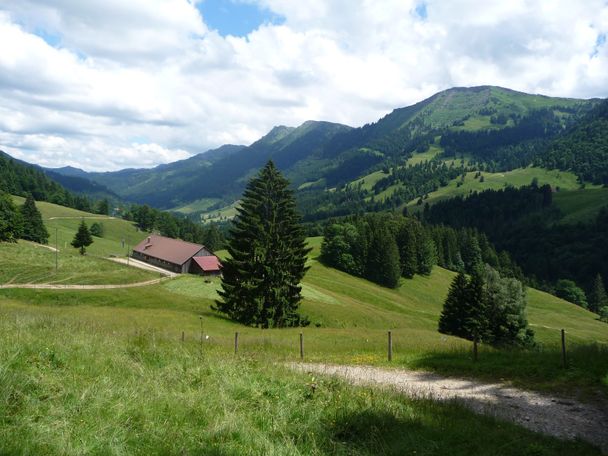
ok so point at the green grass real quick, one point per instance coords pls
(496, 181)
(70, 386)
(431, 153)
(581, 205)
(220, 215)
(200, 205)
(350, 317)
(64, 222)
(26, 262)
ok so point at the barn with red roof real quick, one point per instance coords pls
(177, 256)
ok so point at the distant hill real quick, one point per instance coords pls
(490, 129)
(20, 178)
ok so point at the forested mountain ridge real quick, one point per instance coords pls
(22, 179)
(486, 128)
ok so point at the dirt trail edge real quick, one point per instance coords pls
(51, 286)
(552, 415)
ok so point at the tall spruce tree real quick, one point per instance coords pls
(33, 227)
(406, 242)
(383, 258)
(452, 316)
(83, 238)
(267, 247)
(475, 309)
(598, 297)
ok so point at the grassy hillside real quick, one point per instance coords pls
(26, 262)
(496, 181)
(66, 220)
(581, 205)
(29, 263)
(350, 317)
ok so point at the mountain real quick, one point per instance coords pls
(498, 129)
(20, 178)
(583, 148)
(221, 173)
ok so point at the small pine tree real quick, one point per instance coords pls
(33, 227)
(103, 207)
(268, 253)
(83, 238)
(598, 297)
(97, 229)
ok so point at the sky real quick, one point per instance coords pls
(111, 84)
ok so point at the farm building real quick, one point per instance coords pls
(177, 256)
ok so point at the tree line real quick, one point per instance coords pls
(22, 180)
(563, 259)
(21, 222)
(385, 247)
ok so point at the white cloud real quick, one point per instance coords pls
(117, 84)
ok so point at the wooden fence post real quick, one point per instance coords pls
(564, 359)
(236, 342)
(302, 346)
(201, 318)
(390, 346)
(183, 337)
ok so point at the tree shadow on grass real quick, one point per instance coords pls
(540, 369)
(433, 429)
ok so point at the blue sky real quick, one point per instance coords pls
(235, 18)
(105, 85)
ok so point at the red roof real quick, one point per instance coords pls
(208, 263)
(164, 248)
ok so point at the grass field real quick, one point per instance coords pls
(350, 317)
(72, 387)
(196, 206)
(26, 262)
(581, 205)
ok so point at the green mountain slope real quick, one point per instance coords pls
(411, 152)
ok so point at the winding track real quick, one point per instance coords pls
(551, 415)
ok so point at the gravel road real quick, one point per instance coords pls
(551, 415)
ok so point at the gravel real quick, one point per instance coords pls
(555, 416)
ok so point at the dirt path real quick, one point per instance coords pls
(142, 265)
(51, 286)
(103, 217)
(564, 419)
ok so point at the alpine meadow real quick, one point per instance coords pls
(418, 266)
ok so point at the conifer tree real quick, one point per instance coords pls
(452, 317)
(33, 227)
(598, 297)
(383, 259)
(11, 223)
(475, 309)
(83, 238)
(267, 247)
(427, 254)
(406, 242)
